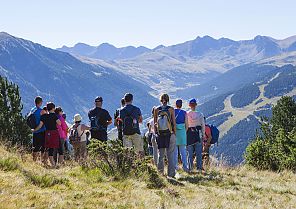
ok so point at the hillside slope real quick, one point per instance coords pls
(25, 184)
(64, 79)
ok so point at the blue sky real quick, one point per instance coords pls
(55, 23)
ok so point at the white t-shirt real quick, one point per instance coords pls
(196, 119)
(151, 122)
(81, 133)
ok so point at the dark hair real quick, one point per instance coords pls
(128, 97)
(45, 108)
(148, 125)
(50, 106)
(64, 116)
(122, 102)
(58, 110)
(38, 100)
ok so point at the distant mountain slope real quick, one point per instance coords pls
(105, 51)
(238, 112)
(67, 81)
(189, 64)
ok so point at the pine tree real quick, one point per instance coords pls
(13, 128)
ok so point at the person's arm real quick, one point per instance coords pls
(173, 119)
(64, 125)
(84, 128)
(140, 120)
(186, 122)
(58, 122)
(155, 113)
(109, 120)
(38, 127)
(203, 126)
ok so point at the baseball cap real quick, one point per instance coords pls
(192, 101)
(98, 99)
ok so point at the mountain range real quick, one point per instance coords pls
(236, 82)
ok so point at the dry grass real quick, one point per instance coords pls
(72, 187)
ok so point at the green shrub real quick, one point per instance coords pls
(9, 164)
(46, 180)
(274, 148)
(118, 162)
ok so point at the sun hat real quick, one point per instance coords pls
(77, 118)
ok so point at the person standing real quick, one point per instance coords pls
(100, 119)
(151, 130)
(38, 136)
(165, 129)
(78, 132)
(118, 122)
(181, 129)
(131, 117)
(195, 135)
(63, 135)
(52, 137)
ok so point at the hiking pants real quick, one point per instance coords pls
(197, 147)
(182, 150)
(155, 149)
(170, 156)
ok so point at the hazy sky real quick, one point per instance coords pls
(55, 23)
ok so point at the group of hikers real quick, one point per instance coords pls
(172, 132)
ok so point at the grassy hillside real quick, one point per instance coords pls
(24, 184)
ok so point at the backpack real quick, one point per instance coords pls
(130, 124)
(31, 120)
(74, 136)
(164, 125)
(95, 123)
(215, 134)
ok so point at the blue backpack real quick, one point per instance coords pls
(215, 134)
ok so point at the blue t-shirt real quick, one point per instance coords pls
(37, 113)
(180, 116)
(135, 113)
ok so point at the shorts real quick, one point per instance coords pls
(133, 141)
(38, 142)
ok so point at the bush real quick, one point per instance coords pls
(13, 127)
(274, 148)
(118, 162)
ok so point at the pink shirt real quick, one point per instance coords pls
(62, 128)
(196, 119)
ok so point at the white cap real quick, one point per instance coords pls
(77, 118)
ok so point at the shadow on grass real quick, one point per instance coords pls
(197, 178)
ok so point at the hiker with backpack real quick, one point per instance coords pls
(131, 117)
(38, 136)
(165, 129)
(52, 137)
(100, 119)
(181, 141)
(63, 128)
(151, 130)
(195, 135)
(118, 122)
(78, 138)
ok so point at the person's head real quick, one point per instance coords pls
(128, 98)
(164, 99)
(99, 101)
(179, 103)
(192, 104)
(45, 109)
(64, 116)
(59, 111)
(148, 125)
(38, 101)
(77, 118)
(50, 106)
(122, 101)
